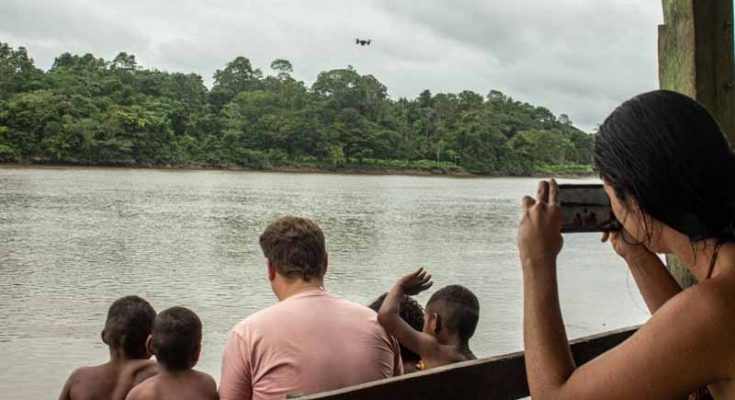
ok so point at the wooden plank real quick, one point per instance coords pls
(696, 58)
(497, 378)
(695, 52)
(676, 47)
(713, 21)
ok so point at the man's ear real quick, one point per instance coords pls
(104, 337)
(271, 269)
(326, 263)
(149, 346)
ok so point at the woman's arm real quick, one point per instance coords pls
(549, 360)
(655, 363)
(654, 281)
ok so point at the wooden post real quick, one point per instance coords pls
(695, 52)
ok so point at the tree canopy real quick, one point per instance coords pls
(88, 110)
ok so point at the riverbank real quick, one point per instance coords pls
(440, 169)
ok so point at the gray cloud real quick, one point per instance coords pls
(573, 56)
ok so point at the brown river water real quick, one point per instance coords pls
(72, 240)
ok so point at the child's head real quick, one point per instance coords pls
(452, 310)
(176, 338)
(129, 322)
(411, 312)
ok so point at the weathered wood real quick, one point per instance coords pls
(494, 378)
(696, 58)
(713, 20)
(696, 55)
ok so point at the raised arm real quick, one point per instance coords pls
(389, 313)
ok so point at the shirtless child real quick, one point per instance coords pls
(450, 319)
(176, 341)
(129, 322)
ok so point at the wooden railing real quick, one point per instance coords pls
(494, 378)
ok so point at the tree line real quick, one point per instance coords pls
(87, 110)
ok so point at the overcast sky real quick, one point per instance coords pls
(579, 57)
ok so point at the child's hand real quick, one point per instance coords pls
(415, 282)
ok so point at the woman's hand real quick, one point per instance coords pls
(415, 282)
(624, 244)
(539, 234)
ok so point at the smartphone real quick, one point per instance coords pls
(586, 208)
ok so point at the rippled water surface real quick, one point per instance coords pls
(73, 240)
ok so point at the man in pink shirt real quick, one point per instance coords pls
(311, 341)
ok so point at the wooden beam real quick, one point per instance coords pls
(695, 52)
(497, 378)
(696, 55)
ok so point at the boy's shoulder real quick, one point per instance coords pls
(203, 384)
(89, 373)
(140, 370)
(143, 390)
(208, 385)
(207, 380)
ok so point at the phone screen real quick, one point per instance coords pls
(586, 208)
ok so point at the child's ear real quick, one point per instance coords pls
(437, 323)
(149, 346)
(271, 270)
(433, 323)
(197, 353)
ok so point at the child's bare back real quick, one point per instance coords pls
(110, 381)
(129, 322)
(176, 341)
(177, 385)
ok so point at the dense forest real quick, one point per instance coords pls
(87, 110)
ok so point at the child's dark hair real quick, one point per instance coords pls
(667, 152)
(176, 337)
(459, 310)
(129, 322)
(411, 312)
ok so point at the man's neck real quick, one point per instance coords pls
(286, 288)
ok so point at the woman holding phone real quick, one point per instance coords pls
(670, 174)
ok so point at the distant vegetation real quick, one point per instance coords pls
(86, 110)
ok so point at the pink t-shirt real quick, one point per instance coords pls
(308, 343)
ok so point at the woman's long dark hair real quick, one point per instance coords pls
(668, 152)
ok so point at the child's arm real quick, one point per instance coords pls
(389, 316)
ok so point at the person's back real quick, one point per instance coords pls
(185, 385)
(311, 341)
(129, 322)
(176, 342)
(112, 380)
(292, 348)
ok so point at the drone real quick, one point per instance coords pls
(363, 42)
